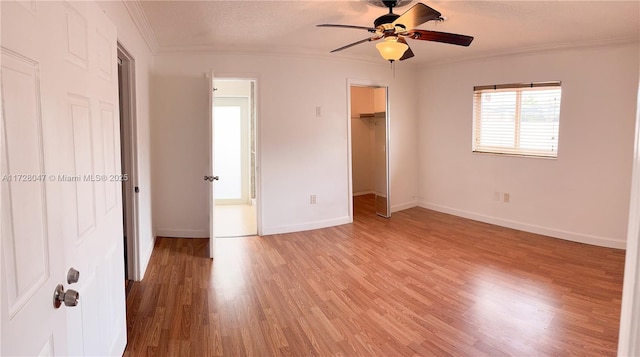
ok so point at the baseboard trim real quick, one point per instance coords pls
(362, 193)
(182, 233)
(532, 228)
(403, 206)
(306, 226)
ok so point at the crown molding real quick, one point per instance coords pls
(249, 51)
(190, 50)
(613, 42)
(169, 50)
(139, 17)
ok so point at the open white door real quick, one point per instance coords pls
(211, 178)
(60, 180)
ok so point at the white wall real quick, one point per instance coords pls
(131, 39)
(583, 195)
(299, 154)
(232, 88)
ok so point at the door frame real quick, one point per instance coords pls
(366, 83)
(130, 156)
(257, 112)
(628, 344)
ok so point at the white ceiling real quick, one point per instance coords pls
(288, 27)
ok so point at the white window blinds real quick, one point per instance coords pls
(517, 119)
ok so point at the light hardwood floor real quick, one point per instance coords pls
(419, 284)
(235, 221)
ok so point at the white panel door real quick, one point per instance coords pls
(60, 180)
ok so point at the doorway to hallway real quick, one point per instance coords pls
(235, 157)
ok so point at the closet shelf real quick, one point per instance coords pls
(371, 115)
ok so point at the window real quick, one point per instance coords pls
(517, 119)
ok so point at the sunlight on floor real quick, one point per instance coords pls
(235, 221)
(230, 273)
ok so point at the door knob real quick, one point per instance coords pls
(69, 298)
(73, 276)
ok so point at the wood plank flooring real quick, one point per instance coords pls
(422, 283)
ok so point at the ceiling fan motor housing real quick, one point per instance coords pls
(385, 19)
(390, 3)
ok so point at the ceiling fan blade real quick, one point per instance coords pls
(408, 53)
(416, 16)
(370, 29)
(451, 38)
(356, 43)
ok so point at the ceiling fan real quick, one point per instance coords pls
(394, 29)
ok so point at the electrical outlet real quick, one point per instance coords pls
(507, 197)
(318, 112)
(312, 199)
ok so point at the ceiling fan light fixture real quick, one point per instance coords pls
(395, 29)
(390, 49)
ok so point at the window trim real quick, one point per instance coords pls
(510, 151)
